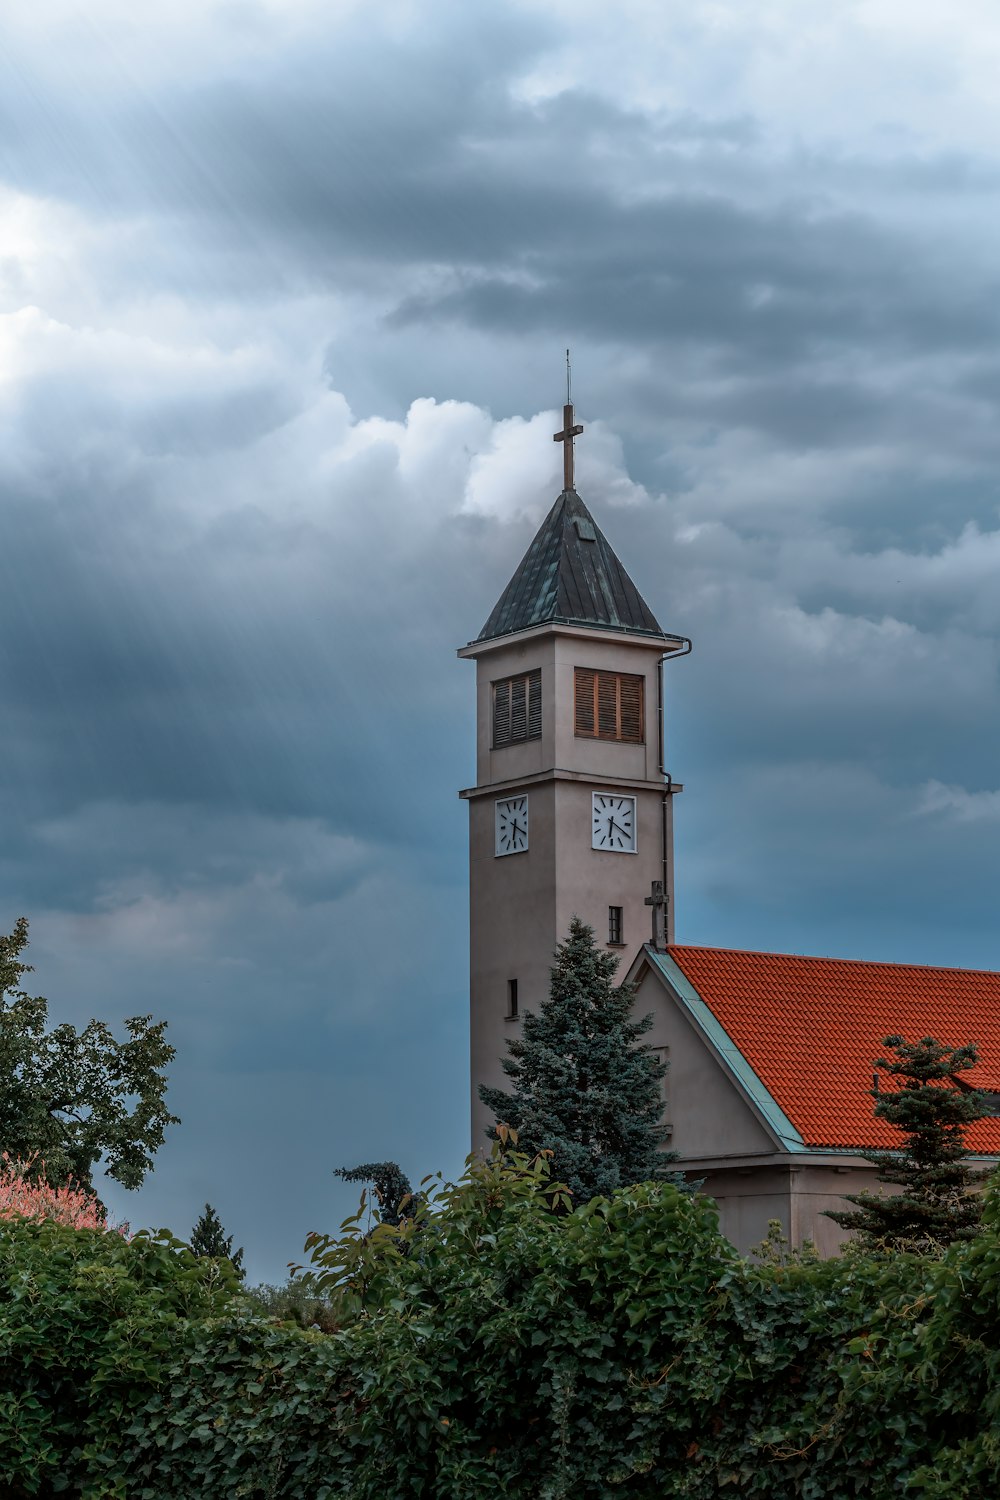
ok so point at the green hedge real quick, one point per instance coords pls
(494, 1347)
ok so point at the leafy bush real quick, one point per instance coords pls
(488, 1346)
(86, 1317)
(298, 1302)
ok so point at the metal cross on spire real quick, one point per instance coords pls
(568, 433)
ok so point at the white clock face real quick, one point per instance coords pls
(512, 826)
(614, 823)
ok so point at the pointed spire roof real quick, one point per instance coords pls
(571, 576)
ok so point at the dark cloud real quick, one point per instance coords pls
(234, 725)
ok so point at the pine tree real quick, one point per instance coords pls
(582, 1087)
(209, 1238)
(394, 1197)
(938, 1201)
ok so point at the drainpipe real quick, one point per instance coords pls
(662, 766)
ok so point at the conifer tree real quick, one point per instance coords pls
(583, 1086)
(938, 1201)
(209, 1238)
(394, 1197)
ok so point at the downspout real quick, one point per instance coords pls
(662, 766)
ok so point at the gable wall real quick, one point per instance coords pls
(707, 1115)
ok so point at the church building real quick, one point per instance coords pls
(768, 1093)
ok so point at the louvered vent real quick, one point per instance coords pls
(517, 709)
(609, 706)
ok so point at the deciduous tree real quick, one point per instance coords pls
(69, 1098)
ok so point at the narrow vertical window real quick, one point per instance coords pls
(609, 705)
(512, 999)
(517, 709)
(615, 914)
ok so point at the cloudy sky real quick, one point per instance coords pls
(284, 291)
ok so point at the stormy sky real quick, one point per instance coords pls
(284, 292)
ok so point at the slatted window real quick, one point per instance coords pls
(517, 709)
(609, 706)
(615, 926)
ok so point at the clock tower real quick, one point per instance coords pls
(572, 811)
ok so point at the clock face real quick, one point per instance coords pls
(613, 823)
(512, 826)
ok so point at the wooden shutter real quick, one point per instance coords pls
(609, 705)
(630, 726)
(586, 696)
(517, 709)
(534, 705)
(501, 712)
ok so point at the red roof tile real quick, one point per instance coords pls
(811, 1029)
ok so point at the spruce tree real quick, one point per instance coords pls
(583, 1087)
(209, 1238)
(938, 1201)
(394, 1197)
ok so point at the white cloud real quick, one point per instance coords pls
(957, 805)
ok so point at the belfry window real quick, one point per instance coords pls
(609, 706)
(517, 709)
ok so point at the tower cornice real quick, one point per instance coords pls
(627, 783)
(665, 644)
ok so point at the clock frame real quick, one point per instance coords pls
(510, 826)
(612, 825)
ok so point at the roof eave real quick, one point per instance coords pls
(672, 645)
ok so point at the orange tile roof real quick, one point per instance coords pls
(811, 1029)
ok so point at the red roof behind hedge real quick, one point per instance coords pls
(811, 1029)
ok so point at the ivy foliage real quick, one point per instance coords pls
(69, 1097)
(488, 1346)
(583, 1085)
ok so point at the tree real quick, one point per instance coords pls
(390, 1184)
(209, 1238)
(582, 1088)
(938, 1201)
(68, 1097)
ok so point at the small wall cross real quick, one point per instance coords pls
(659, 901)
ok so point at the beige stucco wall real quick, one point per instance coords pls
(751, 1194)
(512, 933)
(708, 1118)
(555, 652)
(521, 904)
(719, 1137)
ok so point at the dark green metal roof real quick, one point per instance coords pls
(571, 576)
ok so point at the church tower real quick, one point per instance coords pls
(571, 814)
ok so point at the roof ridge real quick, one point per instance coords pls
(823, 958)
